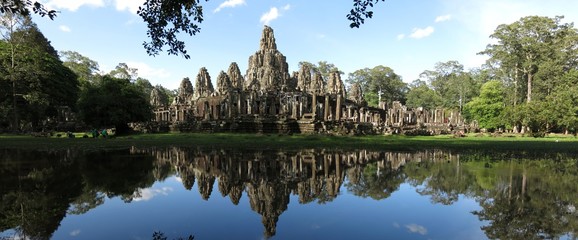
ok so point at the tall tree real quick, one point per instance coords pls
(85, 68)
(528, 45)
(533, 55)
(123, 71)
(452, 83)
(421, 95)
(380, 83)
(9, 23)
(41, 83)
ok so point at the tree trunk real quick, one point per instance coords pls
(529, 93)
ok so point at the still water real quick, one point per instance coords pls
(303, 194)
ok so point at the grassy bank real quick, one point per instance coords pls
(556, 143)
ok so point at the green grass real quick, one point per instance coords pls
(553, 143)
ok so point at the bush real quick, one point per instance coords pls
(539, 134)
(418, 132)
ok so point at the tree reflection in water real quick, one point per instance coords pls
(518, 198)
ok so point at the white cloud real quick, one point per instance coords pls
(414, 228)
(230, 3)
(270, 16)
(130, 5)
(443, 18)
(287, 7)
(421, 32)
(400, 36)
(73, 5)
(64, 28)
(148, 72)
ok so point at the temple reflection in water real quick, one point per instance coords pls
(515, 197)
(270, 177)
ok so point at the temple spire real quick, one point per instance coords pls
(268, 39)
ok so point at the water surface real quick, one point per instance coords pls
(304, 194)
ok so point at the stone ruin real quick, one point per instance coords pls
(270, 100)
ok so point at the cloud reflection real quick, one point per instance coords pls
(414, 228)
(75, 233)
(149, 193)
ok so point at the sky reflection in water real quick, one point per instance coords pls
(291, 195)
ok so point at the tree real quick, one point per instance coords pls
(529, 46)
(452, 83)
(487, 108)
(85, 68)
(322, 67)
(532, 57)
(41, 84)
(421, 95)
(145, 87)
(379, 84)
(10, 23)
(123, 71)
(114, 102)
(23, 7)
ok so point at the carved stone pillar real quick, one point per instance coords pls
(326, 109)
(338, 108)
(314, 105)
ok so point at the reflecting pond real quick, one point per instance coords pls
(301, 194)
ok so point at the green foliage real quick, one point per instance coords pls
(23, 7)
(114, 102)
(123, 71)
(376, 183)
(487, 108)
(449, 80)
(85, 68)
(379, 83)
(360, 12)
(421, 95)
(322, 67)
(40, 81)
(535, 57)
(532, 53)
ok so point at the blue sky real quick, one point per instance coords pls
(409, 36)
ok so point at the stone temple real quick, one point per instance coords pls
(267, 99)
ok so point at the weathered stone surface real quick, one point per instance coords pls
(334, 84)
(235, 76)
(267, 39)
(268, 69)
(268, 100)
(184, 93)
(158, 98)
(317, 85)
(223, 84)
(356, 94)
(304, 78)
(203, 84)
